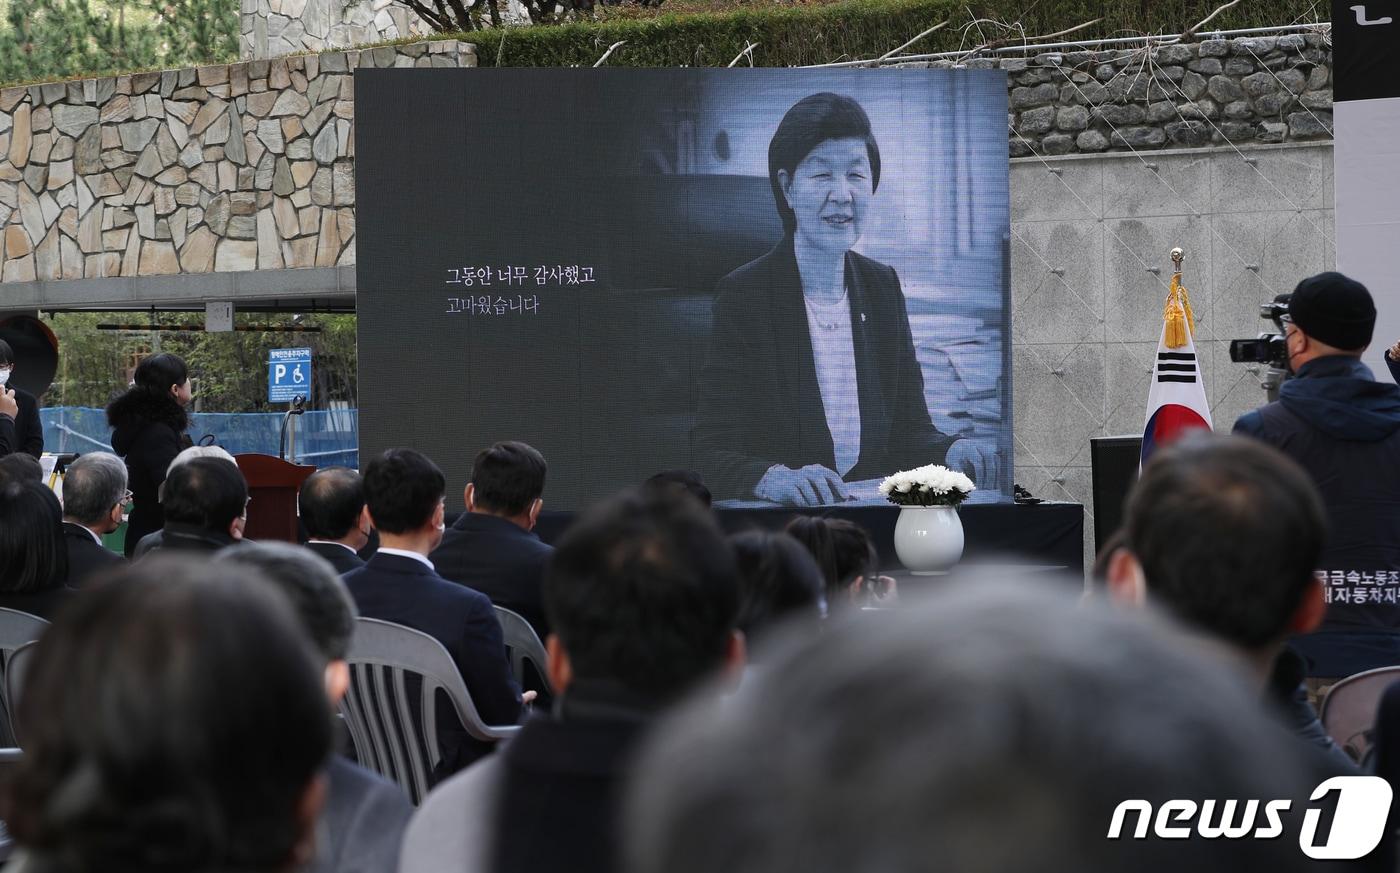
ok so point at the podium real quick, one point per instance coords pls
(272, 485)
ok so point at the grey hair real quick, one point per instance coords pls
(322, 603)
(199, 452)
(92, 485)
(991, 728)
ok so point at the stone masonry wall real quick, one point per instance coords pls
(222, 168)
(274, 28)
(1248, 90)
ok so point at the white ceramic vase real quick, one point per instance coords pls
(928, 539)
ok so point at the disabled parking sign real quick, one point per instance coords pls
(288, 375)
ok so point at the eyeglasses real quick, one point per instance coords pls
(126, 498)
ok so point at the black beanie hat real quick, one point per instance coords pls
(1335, 310)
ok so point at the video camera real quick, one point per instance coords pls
(1267, 348)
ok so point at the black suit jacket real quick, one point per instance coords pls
(760, 403)
(501, 560)
(29, 431)
(403, 591)
(8, 442)
(340, 557)
(86, 558)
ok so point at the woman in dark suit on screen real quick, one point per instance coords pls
(811, 379)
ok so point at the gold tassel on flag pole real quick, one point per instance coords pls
(1181, 323)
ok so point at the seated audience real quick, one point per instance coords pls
(404, 491)
(492, 547)
(205, 501)
(361, 825)
(778, 580)
(1226, 532)
(153, 539)
(687, 481)
(94, 495)
(848, 561)
(642, 597)
(174, 722)
(991, 728)
(33, 556)
(21, 466)
(333, 512)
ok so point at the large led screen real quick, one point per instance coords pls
(794, 282)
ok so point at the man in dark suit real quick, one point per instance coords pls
(493, 547)
(206, 506)
(29, 432)
(94, 493)
(362, 821)
(404, 491)
(646, 594)
(332, 506)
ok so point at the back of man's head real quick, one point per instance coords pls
(995, 728)
(642, 590)
(174, 720)
(21, 467)
(92, 485)
(402, 490)
(322, 602)
(507, 478)
(330, 502)
(1228, 532)
(208, 493)
(687, 481)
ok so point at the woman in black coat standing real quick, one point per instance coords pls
(148, 430)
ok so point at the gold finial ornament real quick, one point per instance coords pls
(1181, 322)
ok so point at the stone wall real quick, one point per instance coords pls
(1247, 90)
(247, 166)
(274, 28)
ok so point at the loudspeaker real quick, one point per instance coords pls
(1115, 462)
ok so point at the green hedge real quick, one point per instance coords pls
(855, 29)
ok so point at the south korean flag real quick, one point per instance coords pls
(1176, 402)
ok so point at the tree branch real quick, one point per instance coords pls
(610, 50)
(894, 51)
(1191, 32)
(748, 50)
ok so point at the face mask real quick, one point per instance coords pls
(5, 374)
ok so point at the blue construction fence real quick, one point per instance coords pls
(324, 438)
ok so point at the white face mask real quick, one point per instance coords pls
(5, 374)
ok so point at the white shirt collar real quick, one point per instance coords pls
(95, 538)
(334, 543)
(403, 553)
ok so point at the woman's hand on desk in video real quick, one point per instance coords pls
(812, 485)
(977, 458)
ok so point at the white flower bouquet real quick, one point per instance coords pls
(932, 485)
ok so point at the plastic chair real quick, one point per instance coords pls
(17, 629)
(524, 648)
(15, 669)
(1349, 709)
(393, 725)
(8, 757)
